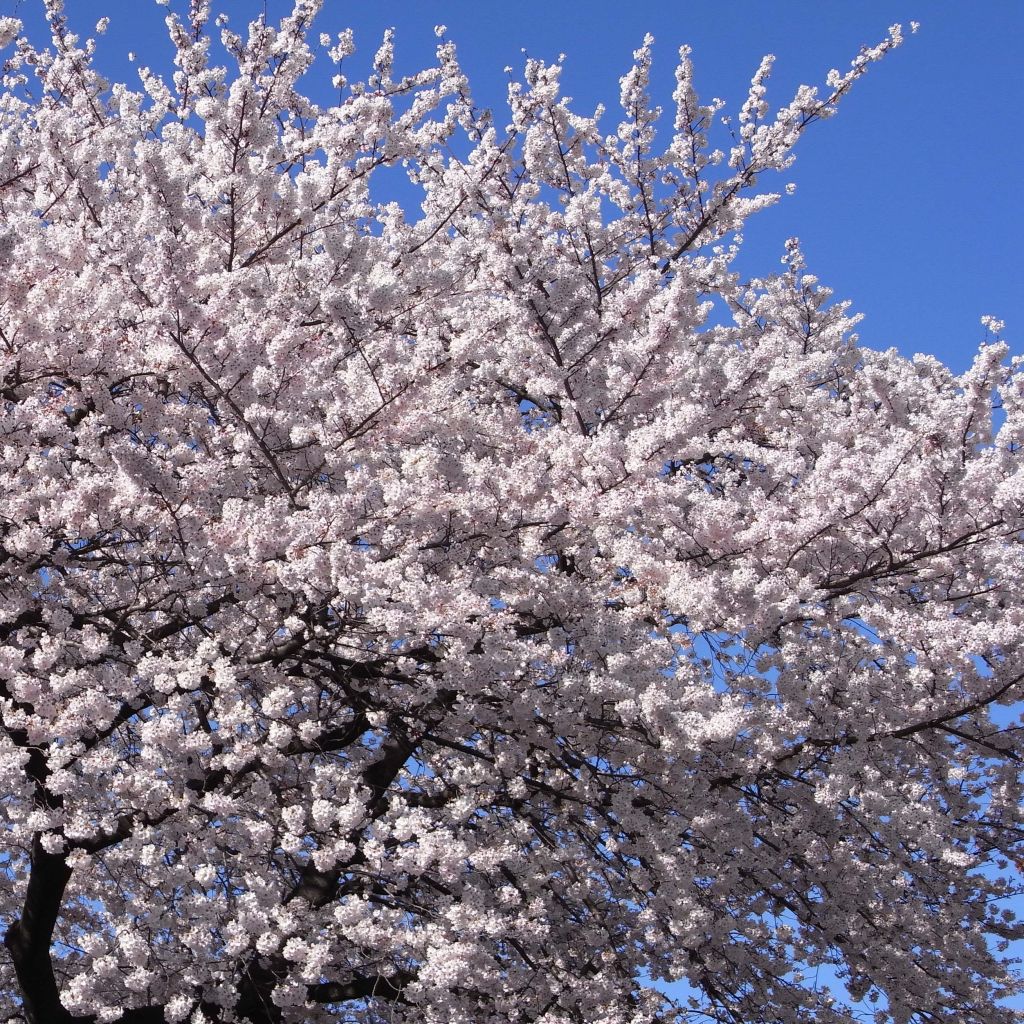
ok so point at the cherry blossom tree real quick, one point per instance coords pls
(485, 614)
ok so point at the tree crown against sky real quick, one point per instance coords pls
(908, 203)
(473, 614)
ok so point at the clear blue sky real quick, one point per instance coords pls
(908, 202)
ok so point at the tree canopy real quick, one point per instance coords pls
(478, 615)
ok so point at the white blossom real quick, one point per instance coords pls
(476, 609)
(9, 30)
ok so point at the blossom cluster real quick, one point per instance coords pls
(482, 615)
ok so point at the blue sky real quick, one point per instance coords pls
(907, 203)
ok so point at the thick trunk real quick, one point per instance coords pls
(28, 938)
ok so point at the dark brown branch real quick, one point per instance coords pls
(373, 987)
